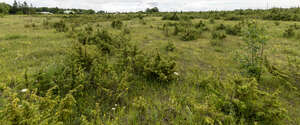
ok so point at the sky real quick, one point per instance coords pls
(163, 5)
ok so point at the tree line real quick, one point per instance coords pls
(25, 8)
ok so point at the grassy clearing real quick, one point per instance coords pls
(209, 74)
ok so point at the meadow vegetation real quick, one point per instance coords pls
(206, 68)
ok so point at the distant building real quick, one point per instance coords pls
(45, 13)
(69, 12)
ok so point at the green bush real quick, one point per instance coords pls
(277, 23)
(234, 30)
(126, 30)
(255, 38)
(46, 23)
(170, 46)
(289, 32)
(60, 26)
(117, 24)
(201, 25)
(220, 27)
(31, 25)
(218, 35)
(217, 38)
(212, 21)
(189, 34)
(174, 17)
(160, 69)
(247, 105)
(176, 30)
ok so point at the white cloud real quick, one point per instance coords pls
(163, 5)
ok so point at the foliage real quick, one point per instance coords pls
(217, 38)
(201, 25)
(173, 16)
(117, 24)
(255, 39)
(234, 30)
(152, 10)
(4, 8)
(60, 26)
(189, 34)
(98, 75)
(212, 21)
(170, 46)
(289, 32)
(159, 68)
(240, 101)
(277, 23)
(220, 27)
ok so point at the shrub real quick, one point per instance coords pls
(176, 30)
(201, 25)
(220, 27)
(60, 26)
(142, 21)
(117, 24)
(189, 34)
(212, 21)
(296, 26)
(126, 30)
(46, 23)
(166, 30)
(289, 32)
(217, 38)
(249, 104)
(218, 35)
(31, 25)
(232, 17)
(277, 23)
(298, 35)
(159, 68)
(234, 30)
(255, 39)
(170, 46)
(171, 17)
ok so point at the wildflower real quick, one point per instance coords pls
(24, 90)
(116, 105)
(113, 109)
(176, 73)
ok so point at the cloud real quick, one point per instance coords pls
(163, 5)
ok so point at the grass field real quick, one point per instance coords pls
(27, 46)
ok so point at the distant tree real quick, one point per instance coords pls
(152, 10)
(90, 11)
(54, 10)
(25, 8)
(14, 8)
(101, 12)
(4, 8)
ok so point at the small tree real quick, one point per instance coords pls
(152, 10)
(255, 39)
(4, 8)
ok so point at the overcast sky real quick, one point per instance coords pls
(163, 5)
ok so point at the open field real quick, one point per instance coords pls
(86, 70)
